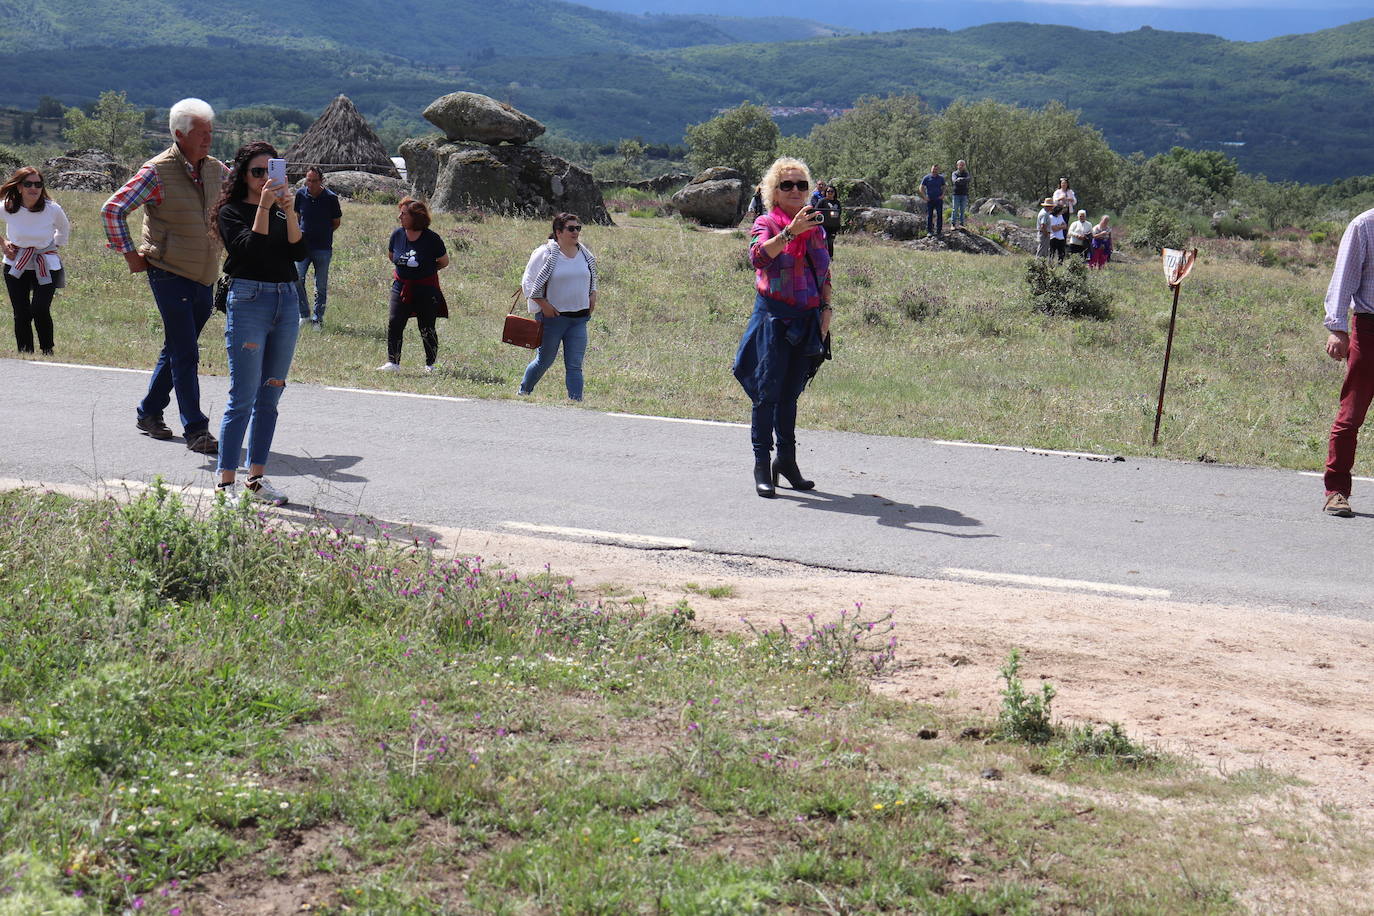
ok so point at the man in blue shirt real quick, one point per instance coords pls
(320, 215)
(933, 193)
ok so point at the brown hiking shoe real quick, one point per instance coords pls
(153, 427)
(1336, 504)
(203, 442)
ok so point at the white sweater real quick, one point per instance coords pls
(45, 229)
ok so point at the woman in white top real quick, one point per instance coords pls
(1058, 227)
(35, 227)
(1064, 196)
(1080, 235)
(560, 283)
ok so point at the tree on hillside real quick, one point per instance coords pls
(113, 125)
(884, 141)
(49, 107)
(743, 138)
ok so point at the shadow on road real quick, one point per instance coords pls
(328, 468)
(887, 512)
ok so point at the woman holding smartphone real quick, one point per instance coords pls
(786, 334)
(255, 219)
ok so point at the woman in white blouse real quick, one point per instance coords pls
(560, 283)
(1065, 197)
(35, 227)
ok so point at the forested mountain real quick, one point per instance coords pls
(1300, 107)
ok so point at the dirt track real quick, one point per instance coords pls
(1232, 687)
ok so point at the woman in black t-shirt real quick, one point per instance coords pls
(255, 219)
(418, 254)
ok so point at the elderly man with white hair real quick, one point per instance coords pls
(176, 189)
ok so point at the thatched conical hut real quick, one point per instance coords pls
(341, 140)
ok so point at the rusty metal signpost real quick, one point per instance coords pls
(1177, 265)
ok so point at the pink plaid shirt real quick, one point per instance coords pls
(1352, 280)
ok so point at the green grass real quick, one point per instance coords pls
(230, 705)
(932, 345)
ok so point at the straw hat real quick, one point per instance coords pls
(1049, 202)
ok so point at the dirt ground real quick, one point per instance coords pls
(1231, 687)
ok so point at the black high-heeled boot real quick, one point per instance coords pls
(763, 480)
(786, 466)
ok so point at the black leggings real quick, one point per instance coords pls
(423, 303)
(32, 304)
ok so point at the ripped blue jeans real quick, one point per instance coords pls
(260, 335)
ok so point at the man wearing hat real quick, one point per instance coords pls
(1043, 222)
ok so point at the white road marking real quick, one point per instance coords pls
(610, 537)
(399, 394)
(39, 362)
(1110, 588)
(640, 416)
(1320, 474)
(1022, 448)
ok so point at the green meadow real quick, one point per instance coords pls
(214, 710)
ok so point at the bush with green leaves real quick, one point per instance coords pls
(1066, 289)
(1024, 716)
(1157, 227)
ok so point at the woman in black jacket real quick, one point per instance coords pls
(255, 218)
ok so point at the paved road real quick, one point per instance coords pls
(887, 504)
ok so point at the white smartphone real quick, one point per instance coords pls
(276, 171)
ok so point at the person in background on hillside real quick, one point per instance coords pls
(320, 214)
(788, 332)
(1044, 220)
(1080, 236)
(833, 217)
(560, 283)
(179, 251)
(960, 180)
(933, 193)
(35, 227)
(1065, 197)
(755, 208)
(1101, 244)
(417, 254)
(818, 195)
(255, 219)
(1058, 228)
(1351, 289)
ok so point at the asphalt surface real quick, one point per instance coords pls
(1191, 532)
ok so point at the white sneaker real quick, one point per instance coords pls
(389, 367)
(429, 370)
(262, 491)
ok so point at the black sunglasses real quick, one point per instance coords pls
(572, 228)
(32, 184)
(789, 185)
(258, 171)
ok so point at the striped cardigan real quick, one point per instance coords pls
(540, 268)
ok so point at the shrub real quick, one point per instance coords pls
(921, 303)
(1066, 289)
(1024, 716)
(1231, 227)
(1158, 227)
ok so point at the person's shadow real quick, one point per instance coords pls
(886, 512)
(326, 468)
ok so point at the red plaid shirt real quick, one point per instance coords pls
(143, 189)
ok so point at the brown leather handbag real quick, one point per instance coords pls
(521, 330)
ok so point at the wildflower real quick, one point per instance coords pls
(878, 806)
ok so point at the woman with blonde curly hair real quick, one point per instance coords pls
(788, 332)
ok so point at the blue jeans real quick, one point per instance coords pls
(320, 258)
(260, 336)
(185, 306)
(935, 216)
(959, 211)
(572, 333)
